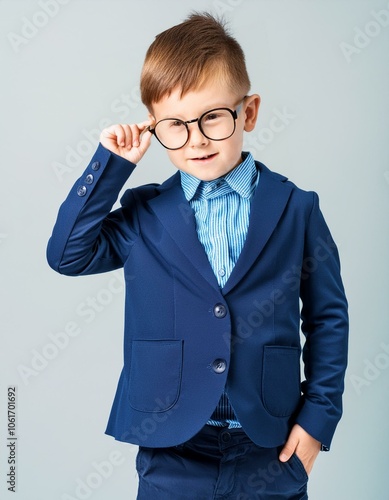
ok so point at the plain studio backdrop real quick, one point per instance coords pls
(70, 68)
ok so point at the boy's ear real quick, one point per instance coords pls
(251, 107)
(152, 119)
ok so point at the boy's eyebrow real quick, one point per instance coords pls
(207, 108)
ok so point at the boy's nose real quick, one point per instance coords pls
(196, 138)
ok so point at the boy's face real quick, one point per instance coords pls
(204, 158)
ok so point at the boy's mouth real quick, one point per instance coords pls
(204, 157)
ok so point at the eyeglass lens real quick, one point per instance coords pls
(217, 124)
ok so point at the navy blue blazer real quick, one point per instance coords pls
(185, 339)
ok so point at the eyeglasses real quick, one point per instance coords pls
(216, 124)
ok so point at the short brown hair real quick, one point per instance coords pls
(188, 55)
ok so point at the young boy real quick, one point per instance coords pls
(216, 260)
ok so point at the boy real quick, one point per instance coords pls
(216, 260)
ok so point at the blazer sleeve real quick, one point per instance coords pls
(87, 237)
(325, 325)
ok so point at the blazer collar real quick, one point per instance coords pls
(268, 204)
(241, 179)
(176, 215)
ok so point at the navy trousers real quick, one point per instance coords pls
(216, 464)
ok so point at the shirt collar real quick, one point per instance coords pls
(242, 179)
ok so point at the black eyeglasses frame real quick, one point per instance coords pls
(234, 114)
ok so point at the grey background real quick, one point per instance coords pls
(69, 79)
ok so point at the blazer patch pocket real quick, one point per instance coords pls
(155, 374)
(281, 380)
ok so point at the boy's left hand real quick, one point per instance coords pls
(303, 445)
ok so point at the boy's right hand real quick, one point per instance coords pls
(128, 141)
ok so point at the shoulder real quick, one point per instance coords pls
(146, 192)
(275, 180)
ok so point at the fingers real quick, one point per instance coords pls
(124, 135)
(303, 445)
(145, 136)
(291, 443)
(113, 137)
(288, 450)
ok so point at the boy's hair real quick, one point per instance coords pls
(189, 54)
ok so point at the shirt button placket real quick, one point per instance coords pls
(222, 272)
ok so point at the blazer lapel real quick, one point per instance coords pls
(268, 204)
(176, 215)
(174, 212)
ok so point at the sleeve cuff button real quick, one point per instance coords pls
(81, 190)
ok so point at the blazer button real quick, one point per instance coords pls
(81, 190)
(220, 311)
(219, 365)
(95, 165)
(89, 179)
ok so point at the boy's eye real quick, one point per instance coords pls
(212, 116)
(176, 123)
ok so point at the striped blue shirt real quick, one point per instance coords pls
(222, 210)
